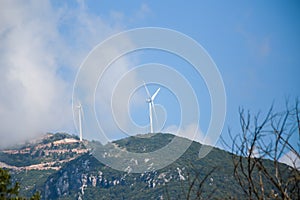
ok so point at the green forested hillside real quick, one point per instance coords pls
(82, 176)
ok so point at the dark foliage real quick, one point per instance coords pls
(9, 191)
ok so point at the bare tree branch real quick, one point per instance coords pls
(260, 142)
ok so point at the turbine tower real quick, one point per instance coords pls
(79, 121)
(150, 100)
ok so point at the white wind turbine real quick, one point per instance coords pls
(150, 100)
(80, 121)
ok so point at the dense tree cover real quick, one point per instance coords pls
(9, 191)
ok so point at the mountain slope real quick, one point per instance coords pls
(73, 173)
(31, 163)
(49, 152)
(85, 177)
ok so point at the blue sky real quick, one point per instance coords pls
(254, 44)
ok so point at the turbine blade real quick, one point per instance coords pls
(79, 107)
(154, 95)
(148, 93)
(82, 113)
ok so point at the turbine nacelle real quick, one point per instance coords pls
(148, 100)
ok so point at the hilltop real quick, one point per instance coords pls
(61, 167)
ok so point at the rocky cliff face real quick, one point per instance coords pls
(87, 172)
(49, 152)
(86, 178)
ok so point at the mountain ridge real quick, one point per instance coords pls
(79, 175)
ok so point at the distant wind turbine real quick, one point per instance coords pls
(150, 100)
(80, 121)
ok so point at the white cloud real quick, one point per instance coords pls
(191, 131)
(41, 48)
(143, 11)
(291, 159)
(33, 98)
(255, 152)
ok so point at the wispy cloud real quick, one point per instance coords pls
(190, 131)
(143, 11)
(32, 95)
(291, 159)
(41, 50)
(259, 45)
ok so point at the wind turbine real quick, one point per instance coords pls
(150, 100)
(79, 121)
